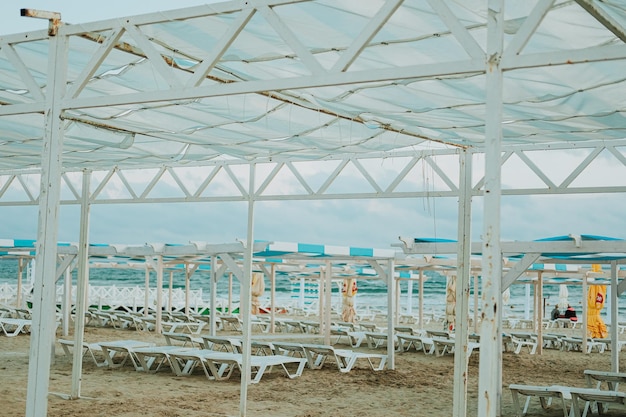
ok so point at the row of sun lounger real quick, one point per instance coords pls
(218, 357)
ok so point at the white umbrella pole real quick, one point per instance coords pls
(421, 300)
(213, 295)
(170, 293)
(614, 319)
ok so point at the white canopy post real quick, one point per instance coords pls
(476, 305)
(245, 300)
(213, 295)
(328, 302)
(82, 284)
(538, 323)
(20, 273)
(409, 296)
(391, 289)
(396, 302)
(459, 401)
(159, 295)
(146, 291)
(66, 307)
(43, 324)
(614, 319)
(489, 388)
(170, 293)
(273, 298)
(421, 300)
(230, 293)
(187, 287)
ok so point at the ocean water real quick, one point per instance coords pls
(371, 295)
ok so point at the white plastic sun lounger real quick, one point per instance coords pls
(121, 349)
(146, 357)
(345, 358)
(12, 327)
(545, 395)
(220, 365)
(89, 349)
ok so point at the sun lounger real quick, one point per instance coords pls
(220, 365)
(545, 395)
(598, 397)
(183, 327)
(12, 327)
(443, 346)
(344, 358)
(221, 343)
(423, 343)
(521, 340)
(231, 323)
(376, 339)
(121, 349)
(89, 349)
(575, 343)
(354, 338)
(183, 339)
(596, 380)
(155, 355)
(290, 349)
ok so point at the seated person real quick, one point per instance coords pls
(555, 314)
(570, 313)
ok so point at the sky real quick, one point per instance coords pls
(376, 223)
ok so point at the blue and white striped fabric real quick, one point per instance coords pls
(302, 250)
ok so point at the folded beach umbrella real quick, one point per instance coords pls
(349, 289)
(563, 297)
(595, 302)
(258, 287)
(451, 303)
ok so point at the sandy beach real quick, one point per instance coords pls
(421, 385)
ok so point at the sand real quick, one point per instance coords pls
(421, 385)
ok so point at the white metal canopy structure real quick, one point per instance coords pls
(281, 82)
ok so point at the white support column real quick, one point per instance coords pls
(476, 304)
(187, 287)
(43, 325)
(159, 295)
(20, 274)
(66, 307)
(489, 389)
(459, 400)
(82, 285)
(614, 319)
(273, 298)
(146, 292)
(409, 297)
(396, 304)
(246, 298)
(230, 293)
(170, 293)
(213, 295)
(421, 300)
(328, 302)
(538, 322)
(391, 289)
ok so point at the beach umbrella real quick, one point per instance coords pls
(596, 296)
(257, 289)
(506, 298)
(450, 303)
(563, 296)
(348, 291)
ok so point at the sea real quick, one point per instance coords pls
(371, 294)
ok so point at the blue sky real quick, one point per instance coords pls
(339, 222)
